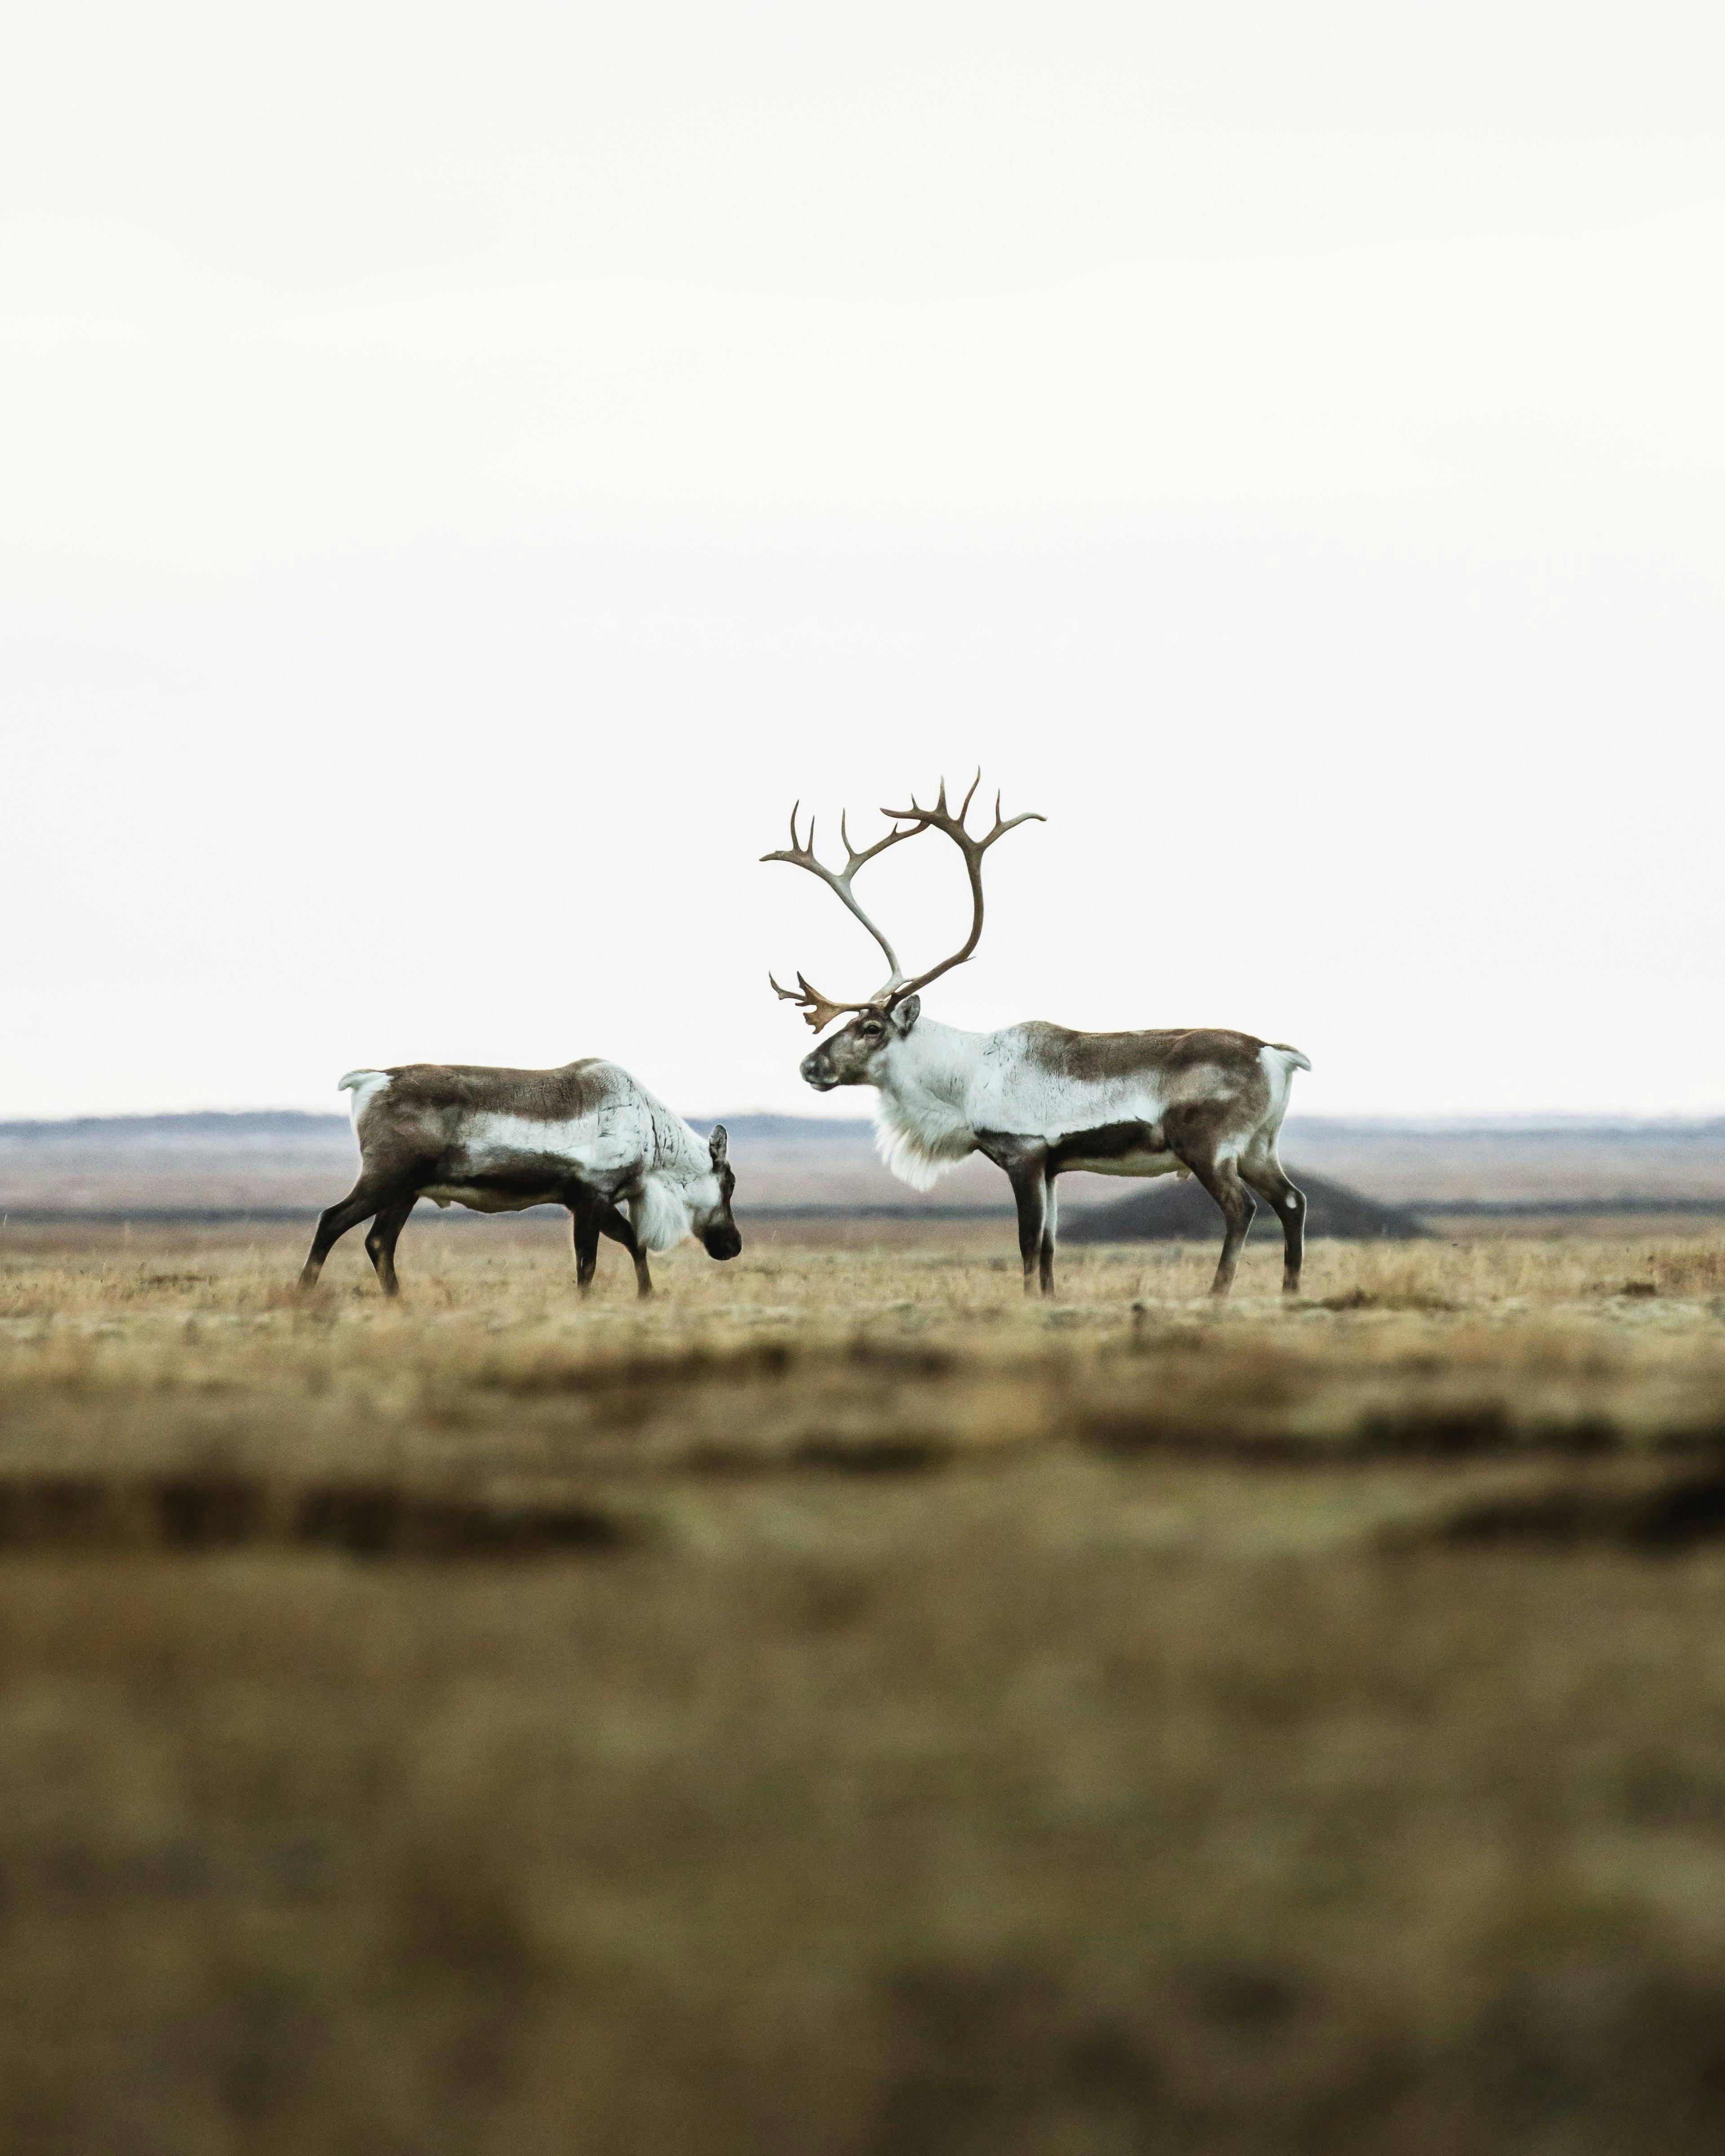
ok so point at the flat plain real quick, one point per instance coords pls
(839, 1705)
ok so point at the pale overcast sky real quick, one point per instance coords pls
(464, 471)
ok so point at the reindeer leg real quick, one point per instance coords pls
(584, 1207)
(1031, 1192)
(1025, 1161)
(359, 1204)
(1270, 1180)
(616, 1224)
(1191, 1141)
(380, 1243)
(1047, 1250)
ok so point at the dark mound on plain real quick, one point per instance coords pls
(1169, 1211)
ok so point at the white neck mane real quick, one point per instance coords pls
(660, 1214)
(677, 1160)
(921, 1126)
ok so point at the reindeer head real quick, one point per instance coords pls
(712, 1222)
(854, 1056)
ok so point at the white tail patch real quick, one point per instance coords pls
(1279, 1065)
(365, 1086)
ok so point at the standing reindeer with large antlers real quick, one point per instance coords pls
(1037, 1099)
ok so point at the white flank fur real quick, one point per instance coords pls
(631, 1148)
(597, 1146)
(938, 1087)
(944, 1085)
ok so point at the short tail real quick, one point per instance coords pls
(1296, 1061)
(366, 1086)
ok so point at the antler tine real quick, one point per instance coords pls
(940, 817)
(854, 860)
(972, 846)
(801, 855)
(1011, 822)
(818, 1010)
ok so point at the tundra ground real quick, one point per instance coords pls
(840, 1707)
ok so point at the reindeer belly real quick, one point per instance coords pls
(498, 1180)
(1128, 1148)
(490, 1198)
(1129, 1163)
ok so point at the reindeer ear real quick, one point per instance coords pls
(906, 1014)
(719, 1145)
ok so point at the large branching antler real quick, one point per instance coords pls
(821, 1010)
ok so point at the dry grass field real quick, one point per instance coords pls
(840, 1708)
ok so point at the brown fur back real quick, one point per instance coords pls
(573, 1090)
(1101, 1055)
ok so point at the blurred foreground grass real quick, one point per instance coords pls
(840, 1707)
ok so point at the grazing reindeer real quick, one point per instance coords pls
(587, 1135)
(1037, 1099)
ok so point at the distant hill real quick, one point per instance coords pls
(1168, 1210)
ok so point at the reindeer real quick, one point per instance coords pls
(587, 1135)
(1037, 1099)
